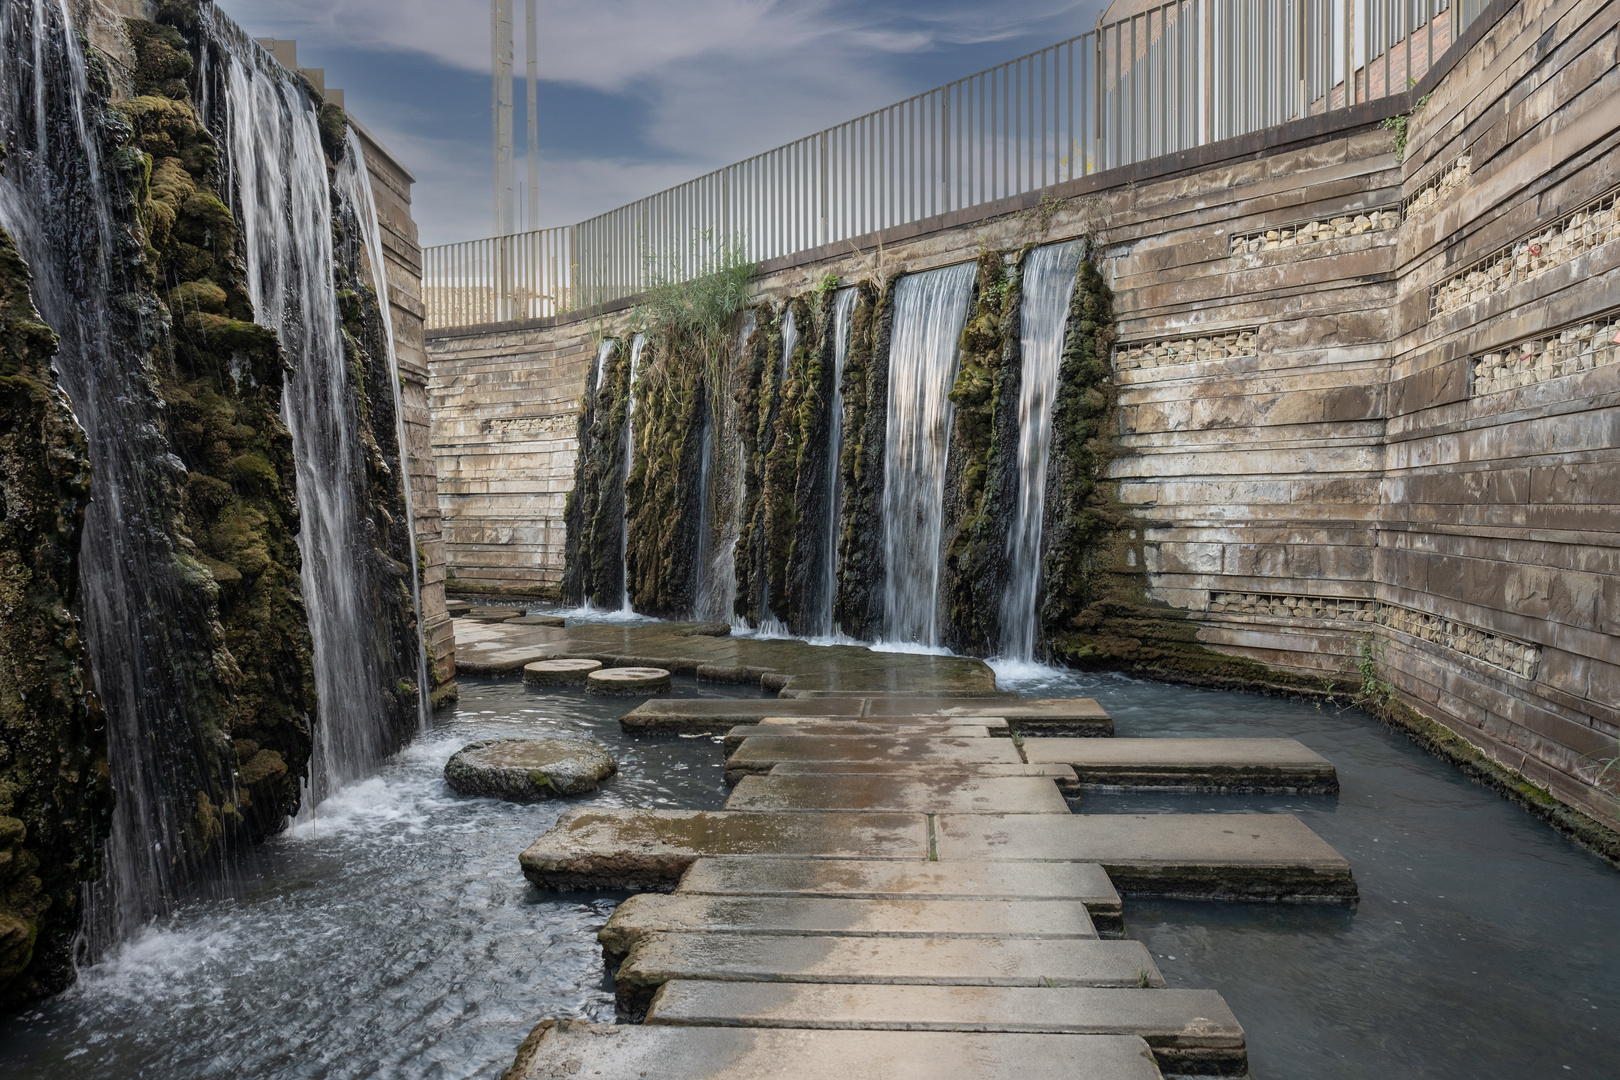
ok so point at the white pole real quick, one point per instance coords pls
(532, 33)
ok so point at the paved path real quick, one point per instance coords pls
(906, 893)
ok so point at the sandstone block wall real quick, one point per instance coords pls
(1367, 404)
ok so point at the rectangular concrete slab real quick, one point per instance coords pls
(652, 913)
(759, 754)
(659, 958)
(1196, 856)
(1029, 716)
(1061, 773)
(945, 793)
(1285, 766)
(632, 849)
(1055, 716)
(821, 729)
(571, 1048)
(891, 724)
(1188, 1030)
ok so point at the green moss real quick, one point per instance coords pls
(857, 608)
(664, 489)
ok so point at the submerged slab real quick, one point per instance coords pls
(822, 729)
(651, 848)
(1054, 716)
(660, 958)
(759, 754)
(946, 793)
(1061, 773)
(1188, 1030)
(1234, 765)
(1199, 856)
(570, 1048)
(652, 913)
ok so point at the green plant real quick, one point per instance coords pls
(1401, 125)
(1143, 979)
(696, 299)
(827, 284)
(1036, 223)
(1373, 692)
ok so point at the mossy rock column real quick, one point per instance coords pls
(528, 769)
(858, 605)
(628, 682)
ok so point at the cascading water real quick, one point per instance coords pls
(723, 495)
(930, 310)
(843, 321)
(769, 624)
(1048, 287)
(145, 616)
(283, 203)
(636, 345)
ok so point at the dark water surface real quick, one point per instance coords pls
(1485, 945)
(401, 941)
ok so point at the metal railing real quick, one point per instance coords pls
(1169, 78)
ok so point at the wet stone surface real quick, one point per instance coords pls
(527, 770)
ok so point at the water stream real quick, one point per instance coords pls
(821, 624)
(1048, 286)
(930, 310)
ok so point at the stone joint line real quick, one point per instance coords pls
(1301, 233)
(1164, 352)
(1569, 350)
(1514, 657)
(1572, 235)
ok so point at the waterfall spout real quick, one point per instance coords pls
(1049, 276)
(930, 310)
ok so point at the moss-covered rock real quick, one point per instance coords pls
(858, 606)
(55, 787)
(759, 382)
(595, 509)
(665, 488)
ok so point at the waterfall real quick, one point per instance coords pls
(843, 322)
(769, 624)
(930, 310)
(353, 182)
(145, 616)
(723, 494)
(284, 207)
(1048, 288)
(638, 343)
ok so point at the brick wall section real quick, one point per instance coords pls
(1344, 463)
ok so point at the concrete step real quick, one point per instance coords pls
(895, 879)
(821, 729)
(1189, 1031)
(641, 849)
(1055, 716)
(757, 755)
(1285, 766)
(659, 958)
(947, 793)
(567, 1048)
(654, 913)
(1061, 773)
(1190, 856)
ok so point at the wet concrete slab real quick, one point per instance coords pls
(1189, 1031)
(1061, 773)
(759, 754)
(1284, 766)
(654, 913)
(660, 958)
(948, 793)
(896, 879)
(570, 1048)
(821, 729)
(1057, 716)
(633, 849)
(1273, 857)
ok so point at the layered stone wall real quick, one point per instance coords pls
(1338, 459)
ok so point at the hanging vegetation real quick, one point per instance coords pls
(858, 607)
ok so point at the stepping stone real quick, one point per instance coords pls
(1189, 1031)
(567, 1048)
(759, 754)
(1061, 773)
(802, 916)
(457, 608)
(893, 879)
(1056, 716)
(628, 681)
(559, 672)
(882, 725)
(937, 794)
(635, 849)
(537, 620)
(659, 958)
(1285, 766)
(495, 614)
(528, 769)
(1189, 856)
(824, 729)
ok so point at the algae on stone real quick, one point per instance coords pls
(858, 605)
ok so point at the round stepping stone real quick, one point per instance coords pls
(528, 769)
(559, 672)
(628, 681)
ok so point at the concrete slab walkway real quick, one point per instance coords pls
(1284, 766)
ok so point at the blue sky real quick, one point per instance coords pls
(636, 95)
